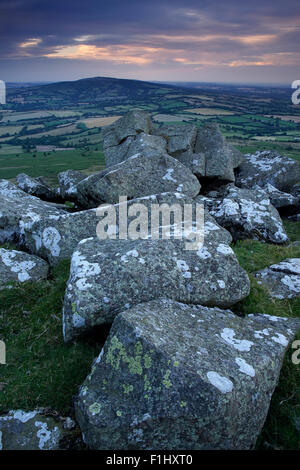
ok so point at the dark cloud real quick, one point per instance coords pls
(191, 30)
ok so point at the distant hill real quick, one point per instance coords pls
(98, 90)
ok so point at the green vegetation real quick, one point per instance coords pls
(41, 369)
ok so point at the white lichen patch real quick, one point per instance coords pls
(48, 439)
(223, 384)
(228, 334)
(132, 253)
(224, 249)
(77, 320)
(168, 176)
(50, 239)
(244, 367)
(280, 339)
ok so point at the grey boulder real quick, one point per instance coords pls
(132, 124)
(221, 158)
(175, 376)
(149, 145)
(34, 430)
(19, 266)
(266, 167)
(282, 280)
(107, 277)
(138, 176)
(246, 214)
(38, 187)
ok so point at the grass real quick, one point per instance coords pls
(41, 369)
(37, 164)
(279, 431)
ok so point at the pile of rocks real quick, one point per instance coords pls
(178, 370)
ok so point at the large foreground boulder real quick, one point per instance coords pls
(34, 430)
(282, 280)
(19, 266)
(108, 276)
(176, 376)
(262, 168)
(136, 177)
(246, 214)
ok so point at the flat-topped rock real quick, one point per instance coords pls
(107, 277)
(136, 177)
(176, 376)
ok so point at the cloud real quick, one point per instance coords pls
(162, 33)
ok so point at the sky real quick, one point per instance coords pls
(229, 41)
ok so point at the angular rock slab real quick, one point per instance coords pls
(19, 266)
(246, 214)
(108, 276)
(281, 200)
(31, 430)
(282, 279)
(176, 376)
(132, 124)
(221, 158)
(266, 167)
(139, 176)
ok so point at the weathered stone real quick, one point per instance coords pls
(266, 167)
(32, 430)
(19, 266)
(176, 376)
(19, 211)
(108, 276)
(38, 187)
(282, 280)
(246, 213)
(68, 181)
(148, 145)
(220, 157)
(281, 200)
(179, 138)
(136, 177)
(133, 123)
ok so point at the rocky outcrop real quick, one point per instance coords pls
(136, 177)
(246, 214)
(262, 168)
(204, 151)
(19, 266)
(282, 280)
(107, 277)
(176, 376)
(35, 430)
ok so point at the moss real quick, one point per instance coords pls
(166, 380)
